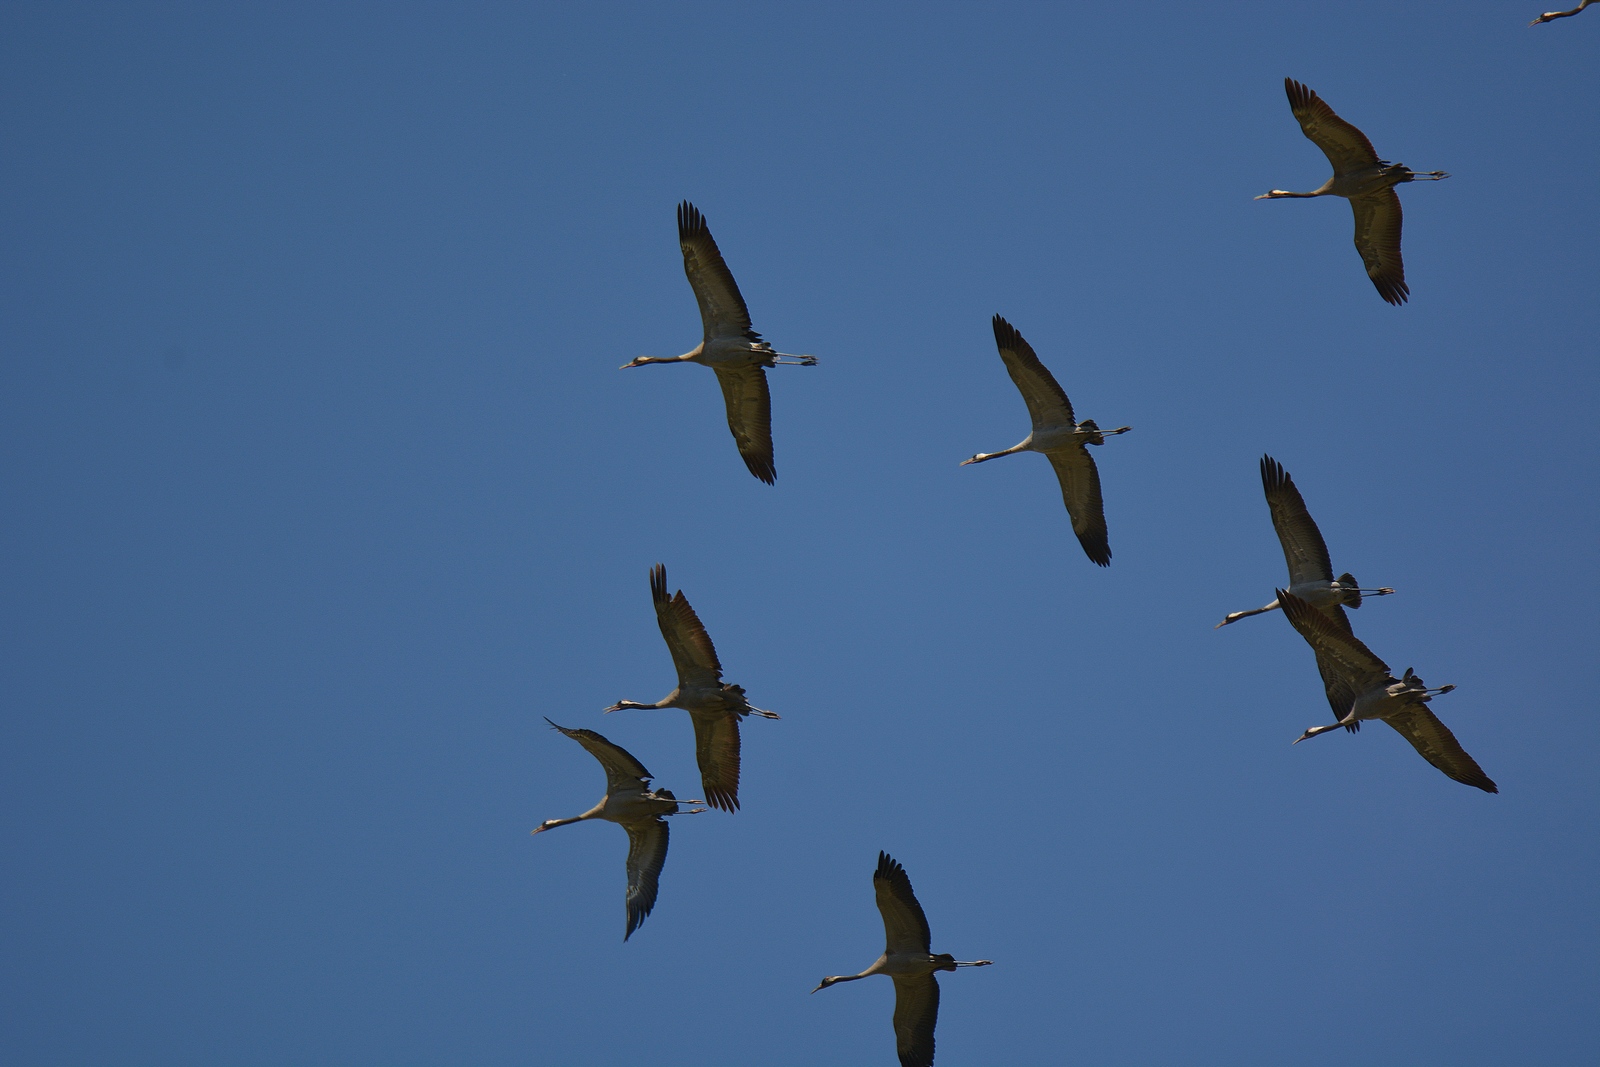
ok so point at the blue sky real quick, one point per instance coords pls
(323, 488)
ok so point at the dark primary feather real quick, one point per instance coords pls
(905, 927)
(1378, 221)
(622, 770)
(1439, 746)
(1346, 655)
(1047, 401)
(1080, 491)
(647, 854)
(916, 1012)
(1346, 147)
(1303, 547)
(722, 308)
(749, 403)
(716, 750)
(693, 655)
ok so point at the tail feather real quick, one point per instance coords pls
(1352, 595)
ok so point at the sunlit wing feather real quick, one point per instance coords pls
(1439, 746)
(622, 770)
(1345, 656)
(1303, 547)
(744, 390)
(904, 925)
(647, 853)
(693, 655)
(716, 750)
(1080, 491)
(722, 308)
(1346, 147)
(916, 1012)
(1047, 401)
(1378, 220)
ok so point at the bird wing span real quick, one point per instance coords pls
(692, 652)
(744, 390)
(1080, 490)
(904, 924)
(1439, 746)
(622, 770)
(1303, 547)
(647, 853)
(1345, 656)
(716, 749)
(1378, 219)
(1346, 147)
(722, 309)
(916, 1012)
(1047, 401)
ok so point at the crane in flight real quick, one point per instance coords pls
(730, 346)
(908, 960)
(1549, 16)
(1060, 438)
(631, 804)
(714, 707)
(1364, 686)
(1363, 179)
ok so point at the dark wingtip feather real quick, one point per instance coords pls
(1273, 476)
(759, 467)
(1099, 552)
(1394, 292)
(658, 584)
(1005, 334)
(690, 221)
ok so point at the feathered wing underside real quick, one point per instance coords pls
(1047, 401)
(1346, 658)
(1303, 547)
(1080, 491)
(693, 655)
(916, 1013)
(647, 853)
(722, 308)
(1346, 147)
(905, 927)
(622, 770)
(1439, 746)
(716, 750)
(744, 390)
(1378, 220)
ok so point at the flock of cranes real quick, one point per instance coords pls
(1359, 685)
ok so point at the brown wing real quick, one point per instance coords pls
(1080, 490)
(916, 1012)
(647, 854)
(1439, 746)
(744, 390)
(716, 749)
(905, 927)
(1378, 219)
(1346, 147)
(622, 770)
(722, 310)
(1303, 547)
(1047, 402)
(692, 652)
(1340, 655)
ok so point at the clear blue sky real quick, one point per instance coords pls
(322, 487)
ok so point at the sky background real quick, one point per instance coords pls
(323, 487)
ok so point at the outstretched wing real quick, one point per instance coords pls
(722, 309)
(1080, 490)
(904, 925)
(1341, 694)
(1346, 147)
(716, 749)
(622, 770)
(1378, 219)
(647, 853)
(744, 390)
(1303, 547)
(1340, 655)
(916, 1012)
(1047, 402)
(692, 652)
(1439, 746)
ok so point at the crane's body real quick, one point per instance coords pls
(633, 805)
(714, 706)
(730, 345)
